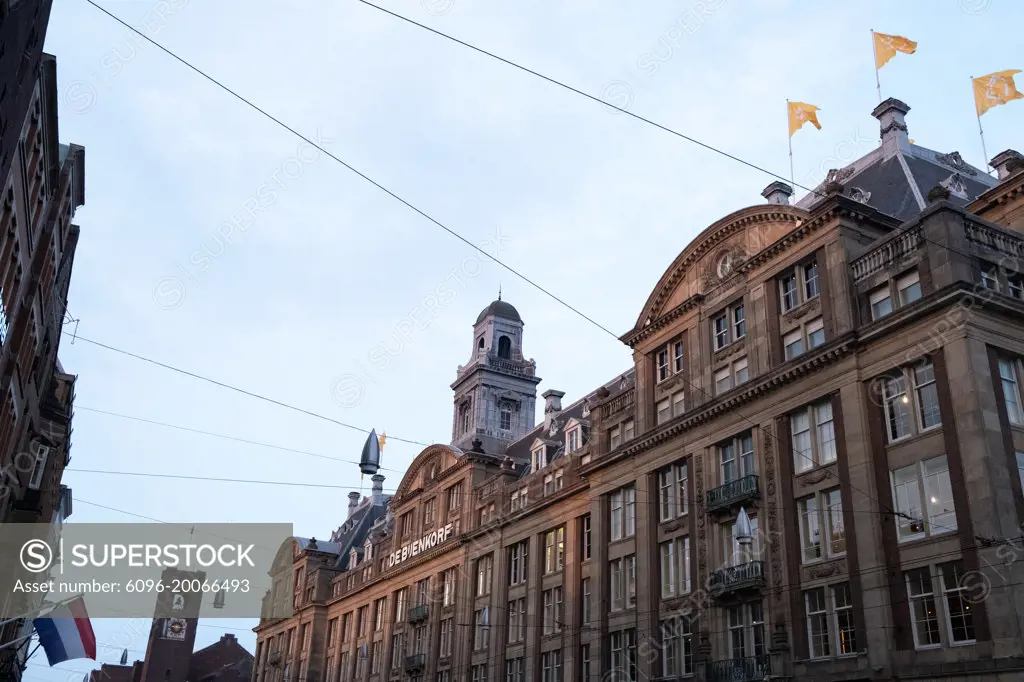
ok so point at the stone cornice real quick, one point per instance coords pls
(1010, 189)
(832, 207)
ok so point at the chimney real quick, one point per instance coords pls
(353, 502)
(778, 193)
(378, 489)
(893, 127)
(1007, 163)
(552, 405)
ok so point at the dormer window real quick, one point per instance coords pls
(538, 458)
(368, 551)
(353, 558)
(572, 440)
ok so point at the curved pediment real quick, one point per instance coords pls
(715, 255)
(432, 461)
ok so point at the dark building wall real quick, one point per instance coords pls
(22, 31)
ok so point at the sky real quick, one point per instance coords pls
(215, 241)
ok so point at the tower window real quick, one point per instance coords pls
(480, 343)
(505, 414)
(504, 347)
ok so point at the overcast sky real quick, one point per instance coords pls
(323, 277)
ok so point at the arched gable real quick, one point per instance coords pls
(443, 455)
(742, 233)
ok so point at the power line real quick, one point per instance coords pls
(236, 389)
(224, 436)
(281, 123)
(373, 182)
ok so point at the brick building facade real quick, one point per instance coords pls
(39, 194)
(812, 471)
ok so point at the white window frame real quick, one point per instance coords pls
(678, 356)
(554, 550)
(745, 461)
(663, 410)
(729, 377)
(727, 328)
(517, 620)
(818, 615)
(537, 458)
(955, 592)
(678, 403)
(41, 454)
(801, 337)
(622, 576)
(673, 496)
(481, 628)
(990, 277)
(675, 567)
(820, 436)
(821, 514)
(614, 437)
(628, 430)
(448, 587)
(922, 596)
(1009, 379)
(573, 439)
(484, 575)
(903, 403)
(623, 513)
(553, 602)
(799, 275)
(880, 302)
(662, 368)
(518, 563)
(923, 489)
(909, 281)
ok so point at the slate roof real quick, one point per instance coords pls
(896, 179)
(520, 450)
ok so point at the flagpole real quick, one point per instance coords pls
(874, 50)
(981, 131)
(792, 175)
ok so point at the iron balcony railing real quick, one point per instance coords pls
(749, 669)
(733, 492)
(745, 576)
(415, 661)
(418, 613)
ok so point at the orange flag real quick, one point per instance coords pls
(886, 47)
(995, 89)
(801, 113)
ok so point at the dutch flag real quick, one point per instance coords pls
(65, 633)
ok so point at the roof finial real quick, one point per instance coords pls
(499, 292)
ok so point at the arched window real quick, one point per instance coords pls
(480, 343)
(504, 347)
(505, 414)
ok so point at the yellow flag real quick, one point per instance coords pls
(381, 439)
(995, 89)
(887, 46)
(799, 114)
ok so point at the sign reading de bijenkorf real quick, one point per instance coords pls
(145, 570)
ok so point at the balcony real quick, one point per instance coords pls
(750, 669)
(417, 613)
(732, 493)
(415, 662)
(734, 579)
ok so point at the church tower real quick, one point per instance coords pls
(496, 392)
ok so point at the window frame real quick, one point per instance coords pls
(801, 281)
(673, 491)
(824, 519)
(669, 359)
(675, 555)
(818, 455)
(623, 501)
(926, 597)
(1009, 381)
(922, 492)
(902, 403)
(948, 593)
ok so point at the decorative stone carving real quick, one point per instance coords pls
(858, 194)
(839, 175)
(730, 350)
(814, 477)
(722, 265)
(825, 570)
(812, 306)
(956, 185)
(956, 162)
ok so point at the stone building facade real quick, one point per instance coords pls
(813, 471)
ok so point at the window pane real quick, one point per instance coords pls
(810, 529)
(794, 344)
(1011, 391)
(815, 333)
(922, 604)
(908, 288)
(739, 322)
(817, 623)
(896, 406)
(907, 498)
(834, 523)
(927, 395)
(881, 302)
(958, 609)
(939, 496)
(800, 426)
(846, 632)
(825, 432)
(811, 280)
